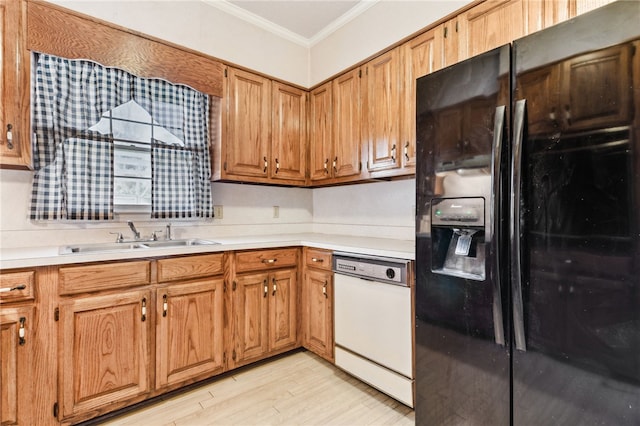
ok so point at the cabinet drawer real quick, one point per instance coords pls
(266, 259)
(107, 276)
(316, 258)
(181, 268)
(14, 280)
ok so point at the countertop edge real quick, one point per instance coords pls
(49, 256)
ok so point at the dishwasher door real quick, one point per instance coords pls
(373, 320)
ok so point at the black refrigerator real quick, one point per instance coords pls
(528, 230)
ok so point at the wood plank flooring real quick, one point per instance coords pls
(297, 389)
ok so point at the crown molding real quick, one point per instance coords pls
(280, 31)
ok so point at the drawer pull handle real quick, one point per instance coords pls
(165, 305)
(266, 165)
(144, 309)
(274, 287)
(393, 153)
(21, 339)
(406, 151)
(266, 288)
(324, 290)
(316, 259)
(269, 261)
(8, 289)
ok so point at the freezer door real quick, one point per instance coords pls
(575, 268)
(462, 350)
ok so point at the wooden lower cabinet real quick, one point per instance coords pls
(189, 331)
(317, 303)
(104, 356)
(16, 367)
(264, 314)
(263, 304)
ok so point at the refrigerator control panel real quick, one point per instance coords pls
(462, 212)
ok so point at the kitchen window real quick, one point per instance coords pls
(106, 141)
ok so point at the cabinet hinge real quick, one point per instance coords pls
(235, 285)
(56, 314)
(224, 358)
(224, 286)
(55, 410)
(225, 72)
(456, 26)
(445, 31)
(360, 73)
(360, 168)
(233, 355)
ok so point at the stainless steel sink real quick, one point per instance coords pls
(127, 246)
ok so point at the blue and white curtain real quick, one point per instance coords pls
(74, 165)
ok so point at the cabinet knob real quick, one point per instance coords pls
(324, 289)
(406, 151)
(393, 153)
(318, 260)
(277, 166)
(274, 287)
(165, 305)
(266, 288)
(326, 166)
(9, 136)
(266, 164)
(335, 164)
(269, 261)
(21, 331)
(144, 309)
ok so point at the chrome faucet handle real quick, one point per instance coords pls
(119, 237)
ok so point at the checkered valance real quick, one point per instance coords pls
(74, 165)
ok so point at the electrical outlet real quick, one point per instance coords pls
(276, 212)
(217, 212)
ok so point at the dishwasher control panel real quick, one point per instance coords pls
(373, 268)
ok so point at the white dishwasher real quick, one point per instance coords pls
(373, 322)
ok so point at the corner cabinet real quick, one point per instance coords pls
(264, 130)
(317, 303)
(264, 304)
(15, 149)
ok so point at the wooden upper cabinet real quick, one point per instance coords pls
(494, 23)
(288, 160)
(420, 56)
(246, 136)
(347, 158)
(320, 133)
(381, 124)
(15, 148)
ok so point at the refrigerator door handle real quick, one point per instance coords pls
(493, 229)
(514, 225)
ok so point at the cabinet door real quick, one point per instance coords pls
(283, 318)
(289, 143)
(420, 56)
(15, 148)
(601, 80)
(381, 100)
(347, 159)
(189, 331)
(494, 23)
(104, 350)
(246, 143)
(453, 49)
(318, 305)
(250, 307)
(16, 368)
(320, 137)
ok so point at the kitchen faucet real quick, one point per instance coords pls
(136, 234)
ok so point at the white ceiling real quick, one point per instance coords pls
(303, 21)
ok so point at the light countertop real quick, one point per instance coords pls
(42, 256)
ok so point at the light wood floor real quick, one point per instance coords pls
(297, 389)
